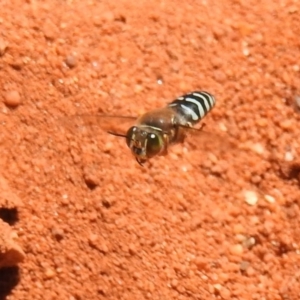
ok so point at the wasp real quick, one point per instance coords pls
(155, 131)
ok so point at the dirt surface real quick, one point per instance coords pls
(199, 223)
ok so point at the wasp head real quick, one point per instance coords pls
(144, 143)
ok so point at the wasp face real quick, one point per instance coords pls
(144, 142)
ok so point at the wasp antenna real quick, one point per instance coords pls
(117, 134)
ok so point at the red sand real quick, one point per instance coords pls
(196, 224)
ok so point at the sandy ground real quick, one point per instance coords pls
(81, 219)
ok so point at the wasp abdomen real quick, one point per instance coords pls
(193, 106)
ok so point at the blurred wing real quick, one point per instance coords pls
(97, 123)
(209, 141)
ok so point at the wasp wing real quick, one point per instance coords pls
(97, 123)
(215, 147)
(208, 141)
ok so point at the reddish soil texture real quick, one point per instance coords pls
(86, 221)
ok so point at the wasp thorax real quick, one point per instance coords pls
(144, 142)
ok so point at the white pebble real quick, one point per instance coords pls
(217, 286)
(254, 147)
(296, 68)
(288, 156)
(246, 51)
(250, 197)
(269, 199)
(223, 127)
(258, 148)
(184, 168)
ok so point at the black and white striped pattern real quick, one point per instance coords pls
(194, 106)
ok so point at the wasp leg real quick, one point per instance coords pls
(164, 151)
(179, 133)
(202, 126)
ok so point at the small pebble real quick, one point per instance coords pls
(246, 51)
(288, 156)
(93, 238)
(90, 179)
(17, 64)
(238, 228)
(108, 147)
(236, 250)
(201, 263)
(250, 197)
(108, 17)
(50, 31)
(244, 265)
(58, 233)
(225, 293)
(49, 273)
(107, 203)
(138, 88)
(174, 283)
(262, 122)
(132, 249)
(293, 9)
(250, 242)
(296, 68)
(211, 289)
(250, 271)
(223, 127)
(217, 287)
(12, 98)
(97, 242)
(286, 124)
(219, 76)
(159, 81)
(269, 199)
(71, 61)
(256, 179)
(258, 148)
(93, 216)
(224, 277)
(254, 147)
(65, 200)
(240, 238)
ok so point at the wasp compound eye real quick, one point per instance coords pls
(154, 144)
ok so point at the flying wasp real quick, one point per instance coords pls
(155, 131)
(158, 129)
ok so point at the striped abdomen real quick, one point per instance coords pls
(193, 106)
